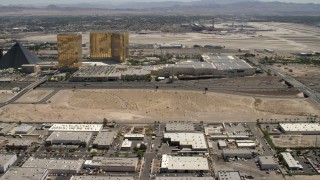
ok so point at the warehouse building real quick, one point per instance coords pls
(300, 128)
(193, 141)
(216, 130)
(19, 144)
(185, 164)
(94, 128)
(113, 164)
(180, 127)
(239, 153)
(267, 162)
(20, 173)
(23, 129)
(6, 161)
(101, 178)
(55, 166)
(104, 139)
(134, 136)
(229, 175)
(248, 144)
(292, 164)
(183, 178)
(70, 138)
(228, 136)
(222, 144)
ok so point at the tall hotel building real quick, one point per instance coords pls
(69, 50)
(113, 46)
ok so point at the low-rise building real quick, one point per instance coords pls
(229, 175)
(6, 161)
(101, 178)
(246, 144)
(126, 145)
(267, 162)
(134, 136)
(70, 138)
(19, 144)
(104, 139)
(184, 164)
(292, 164)
(179, 127)
(183, 178)
(222, 144)
(113, 164)
(23, 129)
(93, 128)
(300, 128)
(20, 173)
(55, 166)
(239, 153)
(193, 141)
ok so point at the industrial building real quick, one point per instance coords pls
(267, 162)
(183, 164)
(94, 128)
(113, 164)
(55, 166)
(229, 175)
(292, 164)
(229, 136)
(21, 173)
(216, 130)
(239, 153)
(126, 145)
(19, 144)
(134, 136)
(101, 178)
(193, 141)
(109, 45)
(6, 161)
(180, 127)
(23, 129)
(69, 50)
(222, 144)
(300, 128)
(104, 139)
(248, 144)
(183, 178)
(69, 138)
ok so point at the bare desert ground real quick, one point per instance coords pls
(34, 96)
(150, 105)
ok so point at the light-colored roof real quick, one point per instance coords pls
(172, 127)
(126, 144)
(19, 142)
(76, 127)
(20, 173)
(184, 178)
(222, 143)
(225, 62)
(112, 162)
(267, 160)
(184, 163)
(300, 127)
(238, 151)
(101, 178)
(104, 138)
(291, 162)
(133, 136)
(4, 158)
(229, 175)
(70, 136)
(56, 164)
(195, 140)
(23, 128)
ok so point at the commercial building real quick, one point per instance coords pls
(216, 130)
(228, 136)
(300, 128)
(113, 164)
(193, 141)
(222, 144)
(292, 164)
(20, 173)
(55, 166)
(267, 162)
(104, 139)
(135, 74)
(93, 74)
(179, 127)
(23, 129)
(5, 128)
(70, 138)
(246, 144)
(239, 153)
(112, 45)
(69, 50)
(101, 178)
(229, 175)
(19, 144)
(134, 136)
(183, 178)
(94, 128)
(6, 161)
(126, 145)
(183, 164)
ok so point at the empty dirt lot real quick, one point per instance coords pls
(151, 105)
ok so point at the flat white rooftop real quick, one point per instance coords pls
(184, 163)
(195, 140)
(77, 127)
(56, 164)
(300, 127)
(291, 162)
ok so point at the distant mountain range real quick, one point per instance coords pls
(203, 7)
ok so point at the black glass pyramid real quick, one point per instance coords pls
(17, 56)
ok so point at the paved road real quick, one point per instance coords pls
(257, 133)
